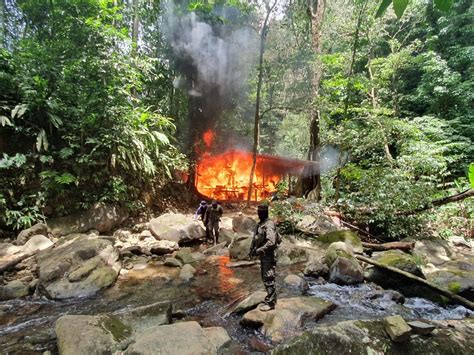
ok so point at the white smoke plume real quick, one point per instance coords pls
(223, 60)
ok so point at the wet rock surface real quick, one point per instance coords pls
(176, 228)
(100, 217)
(79, 268)
(397, 329)
(288, 317)
(369, 337)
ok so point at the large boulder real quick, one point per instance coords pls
(317, 224)
(8, 249)
(13, 289)
(289, 254)
(345, 236)
(100, 334)
(336, 250)
(457, 276)
(289, 316)
(180, 338)
(100, 217)
(369, 337)
(244, 224)
(296, 282)
(316, 268)
(435, 252)
(390, 280)
(176, 227)
(144, 317)
(240, 247)
(77, 268)
(346, 271)
(37, 229)
(187, 273)
(36, 242)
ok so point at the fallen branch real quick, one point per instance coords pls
(405, 246)
(443, 201)
(455, 298)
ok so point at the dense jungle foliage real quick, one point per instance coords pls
(91, 108)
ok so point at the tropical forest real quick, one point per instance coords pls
(236, 177)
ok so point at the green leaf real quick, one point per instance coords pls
(4, 121)
(382, 8)
(55, 120)
(471, 175)
(19, 110)
(444, 5)
(399, 7)
(41, 141)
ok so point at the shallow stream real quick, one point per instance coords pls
(26, 326)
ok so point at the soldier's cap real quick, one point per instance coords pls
(262, 208)
(214, 202)
(203, 202)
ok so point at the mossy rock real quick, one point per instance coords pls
(345, 236)
(400, 260)
(369, 337)
(337, 249)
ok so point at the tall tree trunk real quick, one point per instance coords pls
(256, 129)
(312, 182)
(3, 24)
(135, 25)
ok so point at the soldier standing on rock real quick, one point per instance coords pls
(212, 218)
(264, 244)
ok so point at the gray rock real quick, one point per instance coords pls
(37, 229)
(100, 216)
(226, 236)
(100, 334)
(218, 249)
(162, 247)
(172, 262)
(436, 252)
(187, 272)
(421, 327)
(289, 316)
(240, 247)
(243, 263)
(185, 256)
(176, 227)
(144, 317)
(316, 268)
(368, 337)
(36, 242)
(8, 249)
(289, 254)
(316, 224)
(244, 224)
(346, 271)
(296, 282)
(336, 250)
(397, 329)
(185, 338)
(343, 235)
(13, 289)
(250, 302)
(77, 268)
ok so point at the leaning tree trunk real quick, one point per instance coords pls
(312, 182)
(256, 129)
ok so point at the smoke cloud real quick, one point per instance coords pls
(222, 55)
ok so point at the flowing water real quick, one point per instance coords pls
(26, 326)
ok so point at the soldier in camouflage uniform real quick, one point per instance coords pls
(264, 244)
(212, 218)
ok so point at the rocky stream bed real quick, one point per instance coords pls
(156, 287)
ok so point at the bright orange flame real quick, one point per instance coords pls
(208, 137)
(226, 177)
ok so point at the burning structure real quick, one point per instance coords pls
(226, 176)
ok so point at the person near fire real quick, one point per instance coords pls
(212, 218)
(264, 244)
(201, 211)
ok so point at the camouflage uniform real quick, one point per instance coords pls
(211, 221)
(264, 245)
